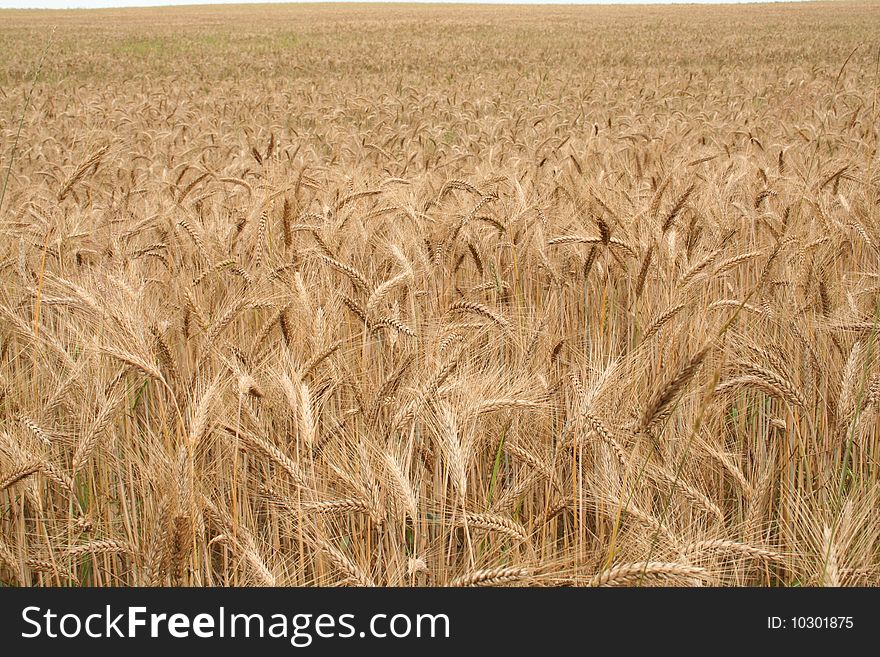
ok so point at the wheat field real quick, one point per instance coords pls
(440, 296)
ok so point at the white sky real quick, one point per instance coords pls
(68, 4)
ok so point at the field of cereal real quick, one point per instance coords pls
(440, 295)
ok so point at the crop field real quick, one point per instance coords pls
(423, 295)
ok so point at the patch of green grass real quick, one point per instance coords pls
(144, 47)
(286, 40)
(215, 41)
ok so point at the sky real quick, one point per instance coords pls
(68, 4)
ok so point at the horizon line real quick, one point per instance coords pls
(86, 5)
